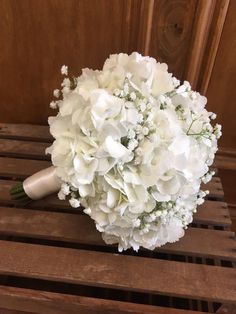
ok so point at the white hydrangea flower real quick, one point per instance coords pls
(132, 145)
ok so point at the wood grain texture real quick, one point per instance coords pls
(216, 27)
(172, 32)
(145, 26)
(72, 32)
(116, 271)
(81, 229)
(221, 92)
(215, 188)
(42, 302)
(27, 149)
(202, 22)
(37, 37)
(25, 132)
(213, 213)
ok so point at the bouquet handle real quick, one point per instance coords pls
(37, 186)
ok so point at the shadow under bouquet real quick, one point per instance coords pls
(132, 146)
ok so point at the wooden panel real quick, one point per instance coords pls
(77, 33)
(210, 213)
(174, 31)
(221, 92)
(171, 33)
(118, 271)
(42, 302)
(218, 20)
(203, 17)
(81, 229)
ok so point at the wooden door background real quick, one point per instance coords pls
(195, 37)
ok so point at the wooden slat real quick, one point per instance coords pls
(215, 188)
(25, 132)
(43, 302)
(81, 229)
(13, 167)
(210, 213)
(23, 149)
(21, 168)
(116, 271)
(205, 243)
(213, 213)
(5, 311)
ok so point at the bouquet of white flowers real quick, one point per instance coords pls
(132, 146)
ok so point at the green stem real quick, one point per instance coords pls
(18, 194)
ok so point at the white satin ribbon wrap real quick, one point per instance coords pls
(42, 183)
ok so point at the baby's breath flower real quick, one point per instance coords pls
(53, 104)
(64, 70)
(132, 96)
(74, 202)
(132, 144)
(145, 130)
(56, 93)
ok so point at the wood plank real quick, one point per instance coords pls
(23, 149)
(204, 243)
(25, 132)
(210, 213)
(15, 167)
(213, 213)
(5, 311)
(42, 302)
(133, 273)
(81, 229)
(215, 188)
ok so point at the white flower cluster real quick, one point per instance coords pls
(132, 146)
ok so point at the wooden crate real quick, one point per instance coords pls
(53, 261)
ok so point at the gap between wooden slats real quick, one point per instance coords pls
(81, 229)
(118, 271)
